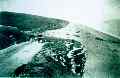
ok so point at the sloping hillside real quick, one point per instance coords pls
(29, 22)
(13, 25)
(103, 51)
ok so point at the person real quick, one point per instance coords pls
(40, 38)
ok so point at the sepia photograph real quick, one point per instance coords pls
(59, 39)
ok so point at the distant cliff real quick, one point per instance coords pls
(14, 24)
(28, 22)
(112, 26)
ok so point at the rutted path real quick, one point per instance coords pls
(22, 56)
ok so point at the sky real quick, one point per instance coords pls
(91, 13)
(87, 12)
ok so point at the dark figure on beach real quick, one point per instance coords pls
(40, 38)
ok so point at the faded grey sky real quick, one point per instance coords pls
(88, 12)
